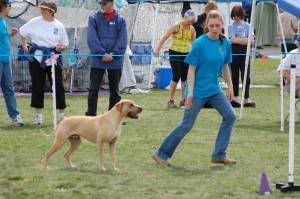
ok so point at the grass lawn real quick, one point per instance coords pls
(256, 143)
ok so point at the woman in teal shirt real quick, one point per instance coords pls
(208, 60)
(5, 71)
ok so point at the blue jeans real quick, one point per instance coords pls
(8, 90)
(222, 105)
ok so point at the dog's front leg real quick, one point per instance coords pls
(112, 150)
(101, 156)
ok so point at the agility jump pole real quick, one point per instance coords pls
(53, 60)
(253, 10)
(289, 187)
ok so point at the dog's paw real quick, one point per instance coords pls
(116, 169)
(70, 166)
(44, 165)
(102, 169)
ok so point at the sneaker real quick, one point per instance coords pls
(38, 119)
(160, 161)
(182, 103)
(225, 161)
(171, 104)
(249, 103)
(17, 121)
(236, 102)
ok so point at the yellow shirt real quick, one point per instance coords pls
(182, 40)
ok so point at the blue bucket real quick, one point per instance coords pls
(163, 76)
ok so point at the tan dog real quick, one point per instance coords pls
(100, 129)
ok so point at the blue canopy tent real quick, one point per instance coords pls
(291, 6)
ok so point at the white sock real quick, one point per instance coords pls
(61, 115)
(39, 114)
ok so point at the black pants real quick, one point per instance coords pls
(237, 66)
(38, 78)
(96, 75)
(179, 67)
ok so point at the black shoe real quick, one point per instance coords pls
(235, 104)
(89, 114)
(249, 103)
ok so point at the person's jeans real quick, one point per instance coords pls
(8, 90)
(96, 75)
(222, 105)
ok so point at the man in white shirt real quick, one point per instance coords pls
(293, 57)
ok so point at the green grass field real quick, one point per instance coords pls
(256, 143)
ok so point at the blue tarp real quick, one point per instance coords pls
(291, 6)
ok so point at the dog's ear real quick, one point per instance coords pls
(119, 106)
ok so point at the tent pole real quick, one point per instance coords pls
(75, 48)
(247, 56)
(130, 36)
(281, 29)
(281, 98)
(72, 68)
(153, 41)
(228, 21)
(281, 72)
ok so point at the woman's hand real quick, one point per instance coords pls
(156, 52)
(230, 93)
(13, 32)
(60, 47)
(25, 49)
(189, 102)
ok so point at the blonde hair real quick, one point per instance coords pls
(214, 14)
(211, 5)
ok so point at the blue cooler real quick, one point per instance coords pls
(163, 76)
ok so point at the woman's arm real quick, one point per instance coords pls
(191, 82)
(236, 40)
(24, 44)
(166, 36)
(241, 41)
(193, 34)
(286, 74)
(63, 41)
(227, 77)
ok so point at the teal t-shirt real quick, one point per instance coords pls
(4, 41)
(208, 56)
